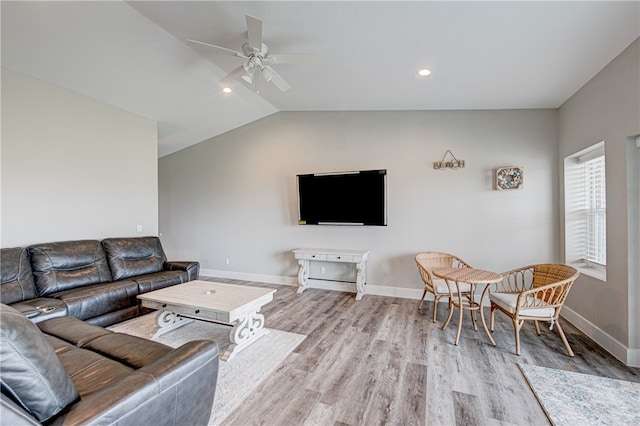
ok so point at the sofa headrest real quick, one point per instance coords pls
(16, 282)
(129, 257)
(68, 264)
(32, 374)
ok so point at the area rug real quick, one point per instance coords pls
(238, 377)
(581, 399)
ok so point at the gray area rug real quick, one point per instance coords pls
(238, 377)
(582, 399)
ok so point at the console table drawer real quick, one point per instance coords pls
(339, 258)
(311, 256)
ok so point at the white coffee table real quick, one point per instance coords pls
(237, 305)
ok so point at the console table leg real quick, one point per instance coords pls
(360, 280)
(246, 330)
(303, 275)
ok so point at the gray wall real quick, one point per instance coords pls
(73, 167)
(234, 196)
(608, 108)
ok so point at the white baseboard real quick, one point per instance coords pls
(247, 276)
(630, 357)
(401, 292)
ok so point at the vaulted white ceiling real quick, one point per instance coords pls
(483, 55)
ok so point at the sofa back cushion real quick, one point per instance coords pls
(32, 374)
(131, 257)
(16, 280)
(68, 264)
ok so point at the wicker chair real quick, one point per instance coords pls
(430, 260)
(535, 293)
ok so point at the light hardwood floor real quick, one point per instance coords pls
(380, 361)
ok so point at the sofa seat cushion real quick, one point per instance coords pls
(68, 264)
(130, 257)
(16, 279)
(72, 330)
(59, 346)
(31, 371)
(115, 317)
(91, 371)
(98, 299)
(131, 351)
(160, 280)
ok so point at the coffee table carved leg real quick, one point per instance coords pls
(168, 321)
(245, 331)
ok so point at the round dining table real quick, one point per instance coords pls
(473, 277)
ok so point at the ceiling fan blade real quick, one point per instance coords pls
(254, 33)
(291, 59)
(228, 79)
(272, 76)
(221, 49)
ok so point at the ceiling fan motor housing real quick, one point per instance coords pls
(250, 52)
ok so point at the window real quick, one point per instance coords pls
(586, 211)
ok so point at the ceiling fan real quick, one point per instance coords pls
(257, 58)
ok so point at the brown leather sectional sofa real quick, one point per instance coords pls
(58, 366)
(97, 281)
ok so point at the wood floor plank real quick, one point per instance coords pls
(380, 361)
(382, 407)
(411, 407)
(320, 414)
(468, 410)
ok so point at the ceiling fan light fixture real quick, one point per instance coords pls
(424, 72)
(247, 78)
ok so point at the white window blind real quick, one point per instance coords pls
(586, 211)
(595, 210)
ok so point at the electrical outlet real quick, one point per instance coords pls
(226, 261)
(139, 228)
(323, 270)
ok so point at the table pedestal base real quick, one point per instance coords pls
(248, 329)
(168, 321)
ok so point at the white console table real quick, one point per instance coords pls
(357, 257)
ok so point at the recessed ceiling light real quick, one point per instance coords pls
(424, 72)
(226, 89)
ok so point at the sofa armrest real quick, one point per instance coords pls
(176, 389)
(41, 309)
(191, 268)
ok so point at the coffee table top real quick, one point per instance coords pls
(212, 296)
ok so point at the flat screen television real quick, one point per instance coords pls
(343, 198)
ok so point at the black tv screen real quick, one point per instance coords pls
(344, 198)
